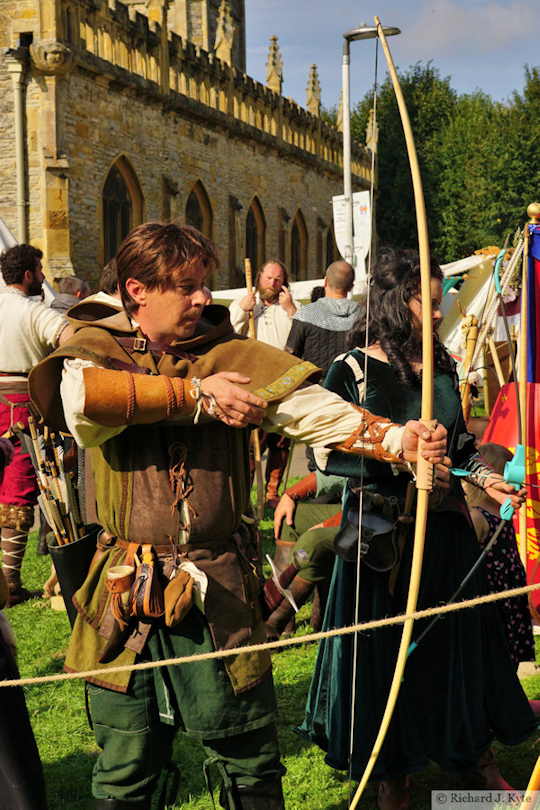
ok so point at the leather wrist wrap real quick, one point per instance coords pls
(114, 398)
(368, 437)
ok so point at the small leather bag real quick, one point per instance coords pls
(378, 546)
(146, 598)
(119, 583)
(179, 597)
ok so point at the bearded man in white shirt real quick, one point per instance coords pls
(29, 331)
(273, 310)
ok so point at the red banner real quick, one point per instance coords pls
(503, 429)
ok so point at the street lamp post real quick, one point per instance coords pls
(362, 32)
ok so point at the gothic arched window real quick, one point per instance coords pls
(194, 214)
(199, 210)
(331, 250)
(299, 248)
(255, 235)
(122, 207)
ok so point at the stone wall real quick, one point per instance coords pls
(109, 85)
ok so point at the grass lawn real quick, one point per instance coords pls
(68, 751)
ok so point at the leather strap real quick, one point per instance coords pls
(140, 344)
(13, 374)
(106, 539)
(133, 367)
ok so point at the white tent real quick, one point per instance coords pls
(470, 300)
(6, 237)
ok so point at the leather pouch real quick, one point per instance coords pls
(178, 597)
(146, 598)
(378, 546)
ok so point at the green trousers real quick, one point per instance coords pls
(135, 730)
(136, 745)
(318, 543)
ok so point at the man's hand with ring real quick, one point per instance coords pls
(232, 404)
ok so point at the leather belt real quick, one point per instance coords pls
(13, 374)
(107, 539)
(159, 549)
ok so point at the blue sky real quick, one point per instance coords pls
(480, 44)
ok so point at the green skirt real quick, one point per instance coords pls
(460, 688)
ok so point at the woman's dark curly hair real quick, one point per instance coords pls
(395, 280)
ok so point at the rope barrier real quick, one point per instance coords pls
(281, 643)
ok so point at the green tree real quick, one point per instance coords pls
(470, 209)
(478, 158)
(329, 115)
(491, 169)
(518, 176)
(430, 103)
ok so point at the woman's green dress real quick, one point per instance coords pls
(460, 689)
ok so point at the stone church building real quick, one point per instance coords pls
(115, 113)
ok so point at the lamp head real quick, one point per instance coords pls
(365, 31)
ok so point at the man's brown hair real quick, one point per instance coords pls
(159, 254)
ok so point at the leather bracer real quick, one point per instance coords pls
(115, 398)
(368, 437)
(306, 488)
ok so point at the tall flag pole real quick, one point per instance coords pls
(503, 425)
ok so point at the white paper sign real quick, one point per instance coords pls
(361, 215)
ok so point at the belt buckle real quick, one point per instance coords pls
(139, 344)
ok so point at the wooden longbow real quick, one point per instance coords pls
(424, 477)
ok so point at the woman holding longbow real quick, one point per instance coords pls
(460, 689)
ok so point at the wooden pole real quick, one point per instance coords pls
(255, 432)
(288, 469)
(496, 361)
(522, 386)
(470, 344)
(485, 383)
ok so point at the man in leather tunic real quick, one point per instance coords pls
(165, 394)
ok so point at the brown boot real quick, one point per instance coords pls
(275, 467)
(393, 793)
(319, 605)
(281, 561)
(279, 621)
(13, 545)
(18, 594)
(487, 776)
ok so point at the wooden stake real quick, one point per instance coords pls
(496, 361)
(255, 432)
(470, 344)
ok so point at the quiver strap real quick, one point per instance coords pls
(146, 598)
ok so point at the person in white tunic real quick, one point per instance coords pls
(273, 311)
(29, 331)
